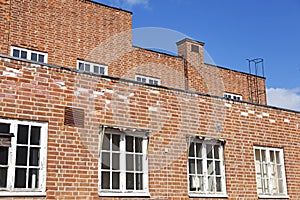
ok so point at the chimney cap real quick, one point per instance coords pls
(189, 40)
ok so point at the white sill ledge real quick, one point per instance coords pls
(195, 195)
(273, 196)
(22, 194)
(121, 194)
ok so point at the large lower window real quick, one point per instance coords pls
(23, 165)
(270, 173)
(124, 165)
(206, 168)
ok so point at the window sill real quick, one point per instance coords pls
(202, 195)
(123, 194)
(261, 196)
(22, 194)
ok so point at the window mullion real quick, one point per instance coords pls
(204, 161)
(122, 160)
(12, 157)
(145, 166)
(269, 174)
(222, 163)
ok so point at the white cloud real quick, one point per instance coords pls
(284, 98)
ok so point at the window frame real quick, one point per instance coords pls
(122, 191)
(205, 193)
(10, 189)
(92, 67)
(232, 96)
(29, 54)
(269, 181)
(147, 79)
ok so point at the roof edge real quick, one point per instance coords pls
(108, 6)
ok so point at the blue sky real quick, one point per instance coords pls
(233, 30)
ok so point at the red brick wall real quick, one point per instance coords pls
(72, 171)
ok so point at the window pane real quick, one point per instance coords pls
(199, 150)
(139, 182)
(280, 186)
(138, 145)
(3, 177)
(21, 158)
(116, 142)
(96, 69)
(34, 56)
(41, 58)
(219, 184)
(277, 157)
(216, 152)
(129, 162)
(81, 66)
(105, 160)
(279, 172)
(22, 137)
(143, 80)
(129, 181)
(263, 156)
(218, 167)
(257, 155)
(192, 150)
(138, 79)
(4, 128)
(155, 83)
(20, 178)
(105, 142)
(116, 180)
(24, 54)
(3, 155)
(129, 143)
(16, 53)
(210, 167)
(115, 161)
(209, 151)
(192, 166)
(34, 157)
(102, 70)
(211, 183)
(87, 67)
(138, 162)
(35, 135)
(33, 179)
(151, 81)
(199, 167)
(105, 180)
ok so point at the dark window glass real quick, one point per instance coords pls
(16, 53)
(105, 160)
(151, 81)
(129, 143)
(34, 156)
(138, 79)
(21, 158)
(192, 150)
(3, 177)
(129, 162)
(106, 142)
(81, 66)
(33, 179)
(139, 181)
(138, 145)
(35, 135)
(115, 161)
(20, 178)
(116, 142)
(155, 83)
(139, 162)
(143, 80)
(4, 128)
(102, 70)
(96, 69)
(24, 54)
(41, 58)
(3, 155)
(22, 137)
(34, 56)
(115, 180)
(195, 48)
(87, 67)
(105, 180)
(129, 181)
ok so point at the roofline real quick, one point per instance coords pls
(176, 56)
(189, 40)
(235, 70)
(120, 9)
(139, 83)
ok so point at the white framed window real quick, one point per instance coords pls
(23, 165)
(206, 170)
(147, 79)
(92, 67)
(29, 54)
(270, 172)
(233, 96)
(123, 164)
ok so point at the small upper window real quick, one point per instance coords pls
(195, 48)
(29, 54)
(233, 96)
(147, 79)
(92, 67)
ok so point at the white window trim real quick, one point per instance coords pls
(200, 194)
(148, 78)
(233, 95)
(92, 65)
(275, 196)
(29, 52)
(41, 191)
(123, 192)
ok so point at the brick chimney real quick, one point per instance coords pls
(192, 51)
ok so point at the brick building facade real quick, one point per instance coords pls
(85, 115)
